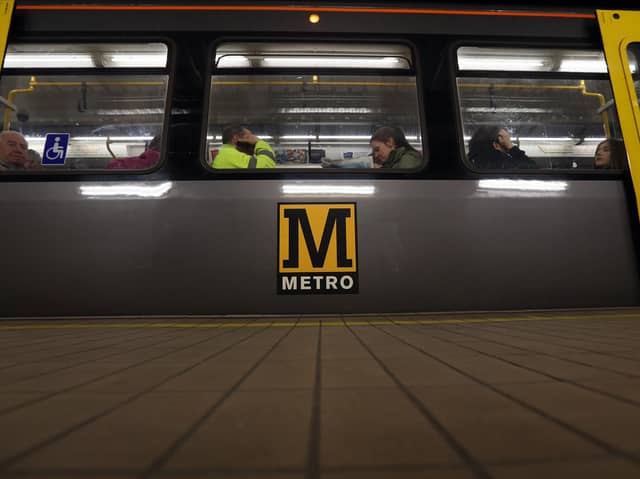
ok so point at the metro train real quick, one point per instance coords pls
(88, 230)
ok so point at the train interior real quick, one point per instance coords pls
(317, 104)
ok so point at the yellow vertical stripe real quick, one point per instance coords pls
(6, 12)
(619, 29)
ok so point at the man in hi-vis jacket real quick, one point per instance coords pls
(243, 149)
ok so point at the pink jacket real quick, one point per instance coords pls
(146, 159)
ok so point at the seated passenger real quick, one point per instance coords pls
(34, 160)
(13, 151)
(148, 158)
(242, 149)
(611, 155)
(490, 147)
(390, 149)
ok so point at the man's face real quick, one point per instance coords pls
(503, 142)
(13, 149)
(242, 136)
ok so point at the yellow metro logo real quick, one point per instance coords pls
(317, 250)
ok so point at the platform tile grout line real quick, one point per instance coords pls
(64, 335)
(180, 334)
(56, 437)
(266, 472)
(588, 330)
(611, 449)
(312, 469)
(543, 373)
(538, 337)
(569, 346)
(474, 465)
(594, 339)
(164, 457)
(116, 335)
(47, 396)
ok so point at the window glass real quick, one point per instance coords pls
(82, 107)
(633, 55)
(314, 105)
(531, 60)
(262, 55)
(555, 119)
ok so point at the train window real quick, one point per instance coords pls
(537, 108)
(633, 53)
(79, 107)
(316, 105)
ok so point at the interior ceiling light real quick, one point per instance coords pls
(331, 62)
(309, 109)
(493, 63)
(53, 60)
(83, 60)
(136, 60)
(232, 61)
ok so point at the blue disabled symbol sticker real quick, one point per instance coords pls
(55, 148)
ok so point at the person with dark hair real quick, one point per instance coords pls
(611, 155)
(148, 158)
(242, 149)
(390, 149)
(491, 148)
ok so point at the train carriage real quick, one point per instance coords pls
(93, 227)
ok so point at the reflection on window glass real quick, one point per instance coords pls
(560, 121)
(79, 120)
(312, 118)
(633, 53)
(531, 60)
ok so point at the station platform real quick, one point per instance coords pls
(495, 395)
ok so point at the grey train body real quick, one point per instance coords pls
(185, 239)
(204, 248)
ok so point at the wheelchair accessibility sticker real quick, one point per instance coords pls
(55, 148)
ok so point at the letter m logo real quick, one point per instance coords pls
(317, 237)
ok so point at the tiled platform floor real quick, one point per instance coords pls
(510, 395)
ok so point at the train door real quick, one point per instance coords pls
(620, 32)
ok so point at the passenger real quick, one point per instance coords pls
(490, 147)
(148, 158)
(34, 160)
(611, 155)
(390, 149)
(243, 149)
(13, 151)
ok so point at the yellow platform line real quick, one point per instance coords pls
(315, 323)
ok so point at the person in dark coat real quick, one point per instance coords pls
(491, 148)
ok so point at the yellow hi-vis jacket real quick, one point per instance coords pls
(229, 157)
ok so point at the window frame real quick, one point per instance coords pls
(311, 173)
(168, 70)
(457, 74)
